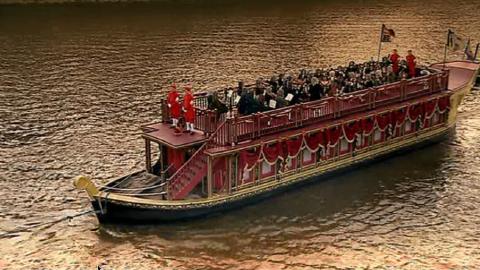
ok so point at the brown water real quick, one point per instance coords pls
(76, 81)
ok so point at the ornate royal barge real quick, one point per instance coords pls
(237, 160)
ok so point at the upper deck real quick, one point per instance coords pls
(222, 132)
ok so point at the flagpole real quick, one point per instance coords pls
(446, 47)
(380, 42)
(476, 52)
(466, 49)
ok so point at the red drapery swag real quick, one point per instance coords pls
(273, 152)
(315, 140)
(443, 104)
(383, 121)
(429, 108)
(414, 111)
(294, 145)
(350, 130)
(248, 158)
(367, 125)
(399, 116)
(333, 134)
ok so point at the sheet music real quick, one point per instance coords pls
(272, 104)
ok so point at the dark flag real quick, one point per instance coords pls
(387, 34)
(455, 42)
(469, 52)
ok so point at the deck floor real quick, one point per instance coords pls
(162, 133)
(461, 72)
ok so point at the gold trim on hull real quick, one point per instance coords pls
(319, 169)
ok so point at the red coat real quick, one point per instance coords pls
(189, 108)
(411, 65)
(394, 59)
(172, 101)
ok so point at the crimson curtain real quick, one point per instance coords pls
(314, 140)
(443, 103)
(333, 134)
(272, 152)
(219, 168)
(414, 111)
(399, 116)
(351, 129)
(294, 145)
(429, 107)
(367, 125)
(383, 120)
(248, 158)
(176, 157)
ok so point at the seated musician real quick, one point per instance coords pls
(214, 103)
(248, 104)
(280, 99)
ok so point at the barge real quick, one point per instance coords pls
(234, 160)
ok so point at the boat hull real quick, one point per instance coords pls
(113, 211)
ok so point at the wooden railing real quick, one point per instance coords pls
(253, 126)
(240, 128)
(205, 119)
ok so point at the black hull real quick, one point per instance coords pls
(113, 212)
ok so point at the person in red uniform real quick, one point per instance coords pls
(411, 63)
(189, 109)
(394, 58)
(174, 105)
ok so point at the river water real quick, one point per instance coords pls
(77, 81)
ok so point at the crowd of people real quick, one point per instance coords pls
(309, 85)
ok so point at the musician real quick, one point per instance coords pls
(189, 109)
(394, 59)
(411, 63)
(174, 105)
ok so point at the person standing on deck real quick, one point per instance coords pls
(174, 105)
(189, 109)
(394, 58)
(410, 63)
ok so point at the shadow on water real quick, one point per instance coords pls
(326, 203)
